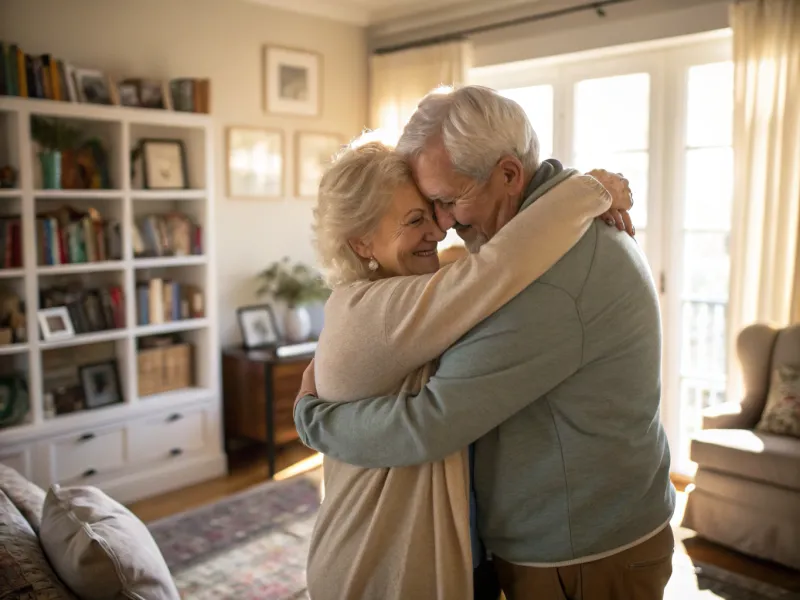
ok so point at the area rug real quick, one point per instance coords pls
(253, 546)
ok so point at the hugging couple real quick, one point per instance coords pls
(493, 423)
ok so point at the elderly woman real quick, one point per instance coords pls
(403, 533)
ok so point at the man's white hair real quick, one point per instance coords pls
(478, 127)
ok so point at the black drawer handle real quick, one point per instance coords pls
(174, 417)
(86, 437)
(176, 451)
(89, 472)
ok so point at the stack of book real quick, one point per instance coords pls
(173, 234)
(69, 237)
(163, 301)
(191, 95)
(10, 243)
(94, 309)
(34, 76)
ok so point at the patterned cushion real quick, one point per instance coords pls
(782, 412)
(24, 571)
(26, 496)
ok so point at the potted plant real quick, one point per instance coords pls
(54, 137)
(298, 286)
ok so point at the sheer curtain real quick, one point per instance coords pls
(399, 80)
(766, 143)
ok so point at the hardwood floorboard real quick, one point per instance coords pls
(249, 468)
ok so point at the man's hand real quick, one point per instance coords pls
(308, 387)
(621, 199)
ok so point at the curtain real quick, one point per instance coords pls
(766, 145)
(399, 80)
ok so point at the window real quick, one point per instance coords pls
(662, 118)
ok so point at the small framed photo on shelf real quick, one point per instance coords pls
(314, 154)
(164, 164)
(100, 384)
(258, 325)
(93, 87)
(128, 94)
(254, 161)
(55, 324)
(149, 93)
(292, 81)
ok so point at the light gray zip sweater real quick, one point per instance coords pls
(561, 390)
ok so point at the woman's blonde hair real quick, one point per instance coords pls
(353, 197)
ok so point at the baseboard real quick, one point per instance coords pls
(158, 480)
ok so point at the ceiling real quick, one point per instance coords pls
(378, 12)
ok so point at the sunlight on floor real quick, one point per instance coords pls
(312, 462)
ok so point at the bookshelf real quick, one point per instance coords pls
(104, 446)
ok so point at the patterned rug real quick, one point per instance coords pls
(253, 546)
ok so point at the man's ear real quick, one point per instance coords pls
(361, 247)
(513, 174)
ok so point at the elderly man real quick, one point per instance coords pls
(573, 490)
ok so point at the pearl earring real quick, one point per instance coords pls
(373, 264)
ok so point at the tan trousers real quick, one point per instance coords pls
(639, 573)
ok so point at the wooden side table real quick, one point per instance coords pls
(259, 390)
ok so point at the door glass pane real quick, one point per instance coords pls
(633, 165)
(707, 203)
(537, 102)
(710, 108)
(612, 113)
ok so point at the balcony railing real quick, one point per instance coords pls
(703, 361)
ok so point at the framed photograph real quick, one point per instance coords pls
(128, 94)
(314, 152)
(254, 163)
(55, 324)
(100, 384)
(93, 87)
(164, 164)
(259, 329)
(292, 81)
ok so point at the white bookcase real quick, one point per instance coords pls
(145, 445)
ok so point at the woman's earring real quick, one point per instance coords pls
(373, 264)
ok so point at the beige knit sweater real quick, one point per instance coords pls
(403, 533)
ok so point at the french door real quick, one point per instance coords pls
(662, 117)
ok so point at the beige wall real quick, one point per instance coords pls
(222, 40)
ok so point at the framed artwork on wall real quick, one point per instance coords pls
(314, 152)
(292, 81)
(254, 162)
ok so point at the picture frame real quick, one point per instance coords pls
(150, 93)
(314, 152)
(128, 94)
(258, 326)
(292, 81)
(93, 86)
(100, 383)
(164, 164)
(55, 324)
(255, 163)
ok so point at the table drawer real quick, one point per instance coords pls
(172, 434)
(88, 454)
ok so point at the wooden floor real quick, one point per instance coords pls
(249, 468)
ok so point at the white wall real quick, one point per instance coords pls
(221, 40)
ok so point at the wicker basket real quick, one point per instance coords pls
(165, 369)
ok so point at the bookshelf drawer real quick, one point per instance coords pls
(170, 435)
(86, 455)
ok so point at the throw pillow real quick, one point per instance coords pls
(100, 549)
(782, 412)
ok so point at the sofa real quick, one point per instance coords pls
(746, 492)
(74, 544)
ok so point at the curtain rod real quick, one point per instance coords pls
(457, 36)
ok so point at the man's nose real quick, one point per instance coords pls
(435, 233)
(443, 216)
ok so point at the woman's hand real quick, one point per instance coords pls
(308, 387)
(621, 200)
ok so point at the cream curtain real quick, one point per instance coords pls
(399, 80)
(766, 143)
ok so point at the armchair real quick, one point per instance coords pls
(747, 486)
